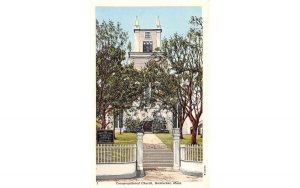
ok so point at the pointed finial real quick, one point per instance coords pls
(136, 23)
(158, 22)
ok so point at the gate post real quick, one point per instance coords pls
(176, 148)
(140, 169)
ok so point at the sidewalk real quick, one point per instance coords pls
(161, 175)
(151, 139)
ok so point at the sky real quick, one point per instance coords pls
(172, 19)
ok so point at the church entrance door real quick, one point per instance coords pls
(148, 127)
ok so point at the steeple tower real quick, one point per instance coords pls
(146, 41)
(136, 23)
(158, 26)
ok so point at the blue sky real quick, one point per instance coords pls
(172, 19)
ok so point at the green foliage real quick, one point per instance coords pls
(132, 125)
(174, 76)
(159, 123)
(185, 56)
(125, 138)
(162, 83)
(118, 83)
(129, 46)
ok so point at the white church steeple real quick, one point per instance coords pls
(146, 41)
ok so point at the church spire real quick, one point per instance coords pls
(158, 26)
(136, 23)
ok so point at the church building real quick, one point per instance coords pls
(147, 41)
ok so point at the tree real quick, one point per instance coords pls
(163, 86)
(118, 83)
(185, 56)
(159, 122)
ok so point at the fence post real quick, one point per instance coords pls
(182, 151)
(176, 148)
(140, 169)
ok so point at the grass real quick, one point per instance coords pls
(168, 139)
(125, 138)
(130, 138)
(187, 138)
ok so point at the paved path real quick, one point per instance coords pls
(151, 139)
(161, 175)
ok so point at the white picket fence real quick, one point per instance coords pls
(191, 152)
(118, 153)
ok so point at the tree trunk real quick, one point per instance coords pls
(181, 135)
(194, 132)
(103, 120)
(180, 127)
(114, 130)
(181, 119)
(194, 135)
(115, 122)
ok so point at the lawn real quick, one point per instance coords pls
(125, 138)
(130, 138)
(168, 139)
(188, 137)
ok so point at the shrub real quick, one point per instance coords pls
(132, 125)
(159, 123)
